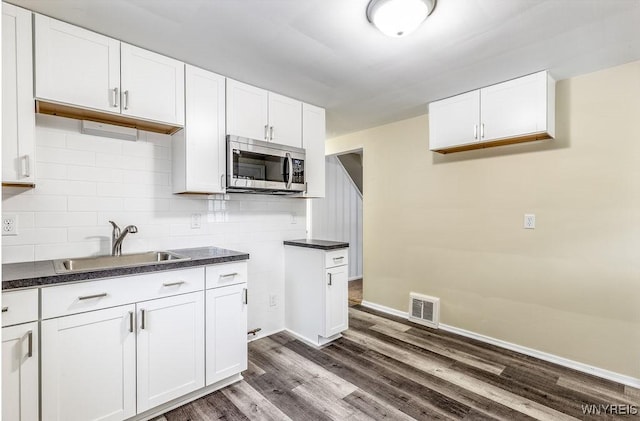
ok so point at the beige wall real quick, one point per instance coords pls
(451, 226)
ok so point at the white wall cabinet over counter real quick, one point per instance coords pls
(259, 114)
(313, 137)
(516, 111)
(316, 290)
(199, 160)
(76, 68)
(18, 117)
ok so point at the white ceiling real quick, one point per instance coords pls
(326, 53)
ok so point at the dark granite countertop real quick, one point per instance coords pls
(317, 244)
(41, 273)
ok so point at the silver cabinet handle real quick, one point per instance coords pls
(131, 321)
(475, 131)
(482, 130)
(306, 187)
(115, 98)
(271, 133)
(290, 180)
(266, 132)
(172, 284)
(30, 344)
(330, 280)
(89, 297)
(5, 309)
(229, 275)
(143, 319)
(125, 99)
(336, 259)
(221, 181)
(245, 294)
(26, 166)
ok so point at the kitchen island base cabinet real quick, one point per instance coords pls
(20, 372)
(316, 294)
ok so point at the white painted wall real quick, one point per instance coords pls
(338, 216)
(83, 181)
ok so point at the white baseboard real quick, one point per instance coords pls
(565, 362)
(262, 334)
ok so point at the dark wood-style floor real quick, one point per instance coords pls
(387, 368)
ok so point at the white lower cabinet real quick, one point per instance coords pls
(89, 366)
(336, 317)
(316, 293)
(20, 372)
(226, 331)
(170, 348)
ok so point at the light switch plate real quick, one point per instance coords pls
(196, 221)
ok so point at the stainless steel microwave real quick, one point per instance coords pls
(255, 166)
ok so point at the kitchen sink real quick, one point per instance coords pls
(85, 264)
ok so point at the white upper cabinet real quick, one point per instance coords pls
(75, 66)
(199, 149)
(78, 68)
(454, 121)
(515, 111)
(18, 117)
(247, 114)
(518, 107)
(313, 137)
(285, 120)
(258, 114)
(152, 85)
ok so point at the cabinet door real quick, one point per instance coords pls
(199, 151)
(18, 117)
(313, 137)
(88, 366)
(514, 108)
(336, 301)
(170, 348)
(152, 86)
(76, 66)
(226, 332)
(285, 120)
(246, 110)
(454, 121)
(20, 372)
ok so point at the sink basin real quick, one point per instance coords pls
(112, 262)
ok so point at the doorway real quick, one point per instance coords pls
(338, 216)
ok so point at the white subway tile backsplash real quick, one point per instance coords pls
(111, 175)
(28, 236)
(92, 233)
(18, 253)
(33, 203)
(64, 156)
(146, 177)
(65, 219)
(83, 142)
(79, 249)
(81, 203)
(50, 171)
(66, 187)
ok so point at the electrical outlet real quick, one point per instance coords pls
(529, 221)
(9, 224)
(273, 301)
(196, 220)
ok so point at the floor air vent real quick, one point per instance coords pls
(424, 309)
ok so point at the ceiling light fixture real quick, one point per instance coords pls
(397, 18)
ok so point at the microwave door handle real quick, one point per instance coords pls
(290, 180)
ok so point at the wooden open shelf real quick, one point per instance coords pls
(44, 107)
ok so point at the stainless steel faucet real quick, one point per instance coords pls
(117, 236)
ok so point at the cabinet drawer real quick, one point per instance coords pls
(226, 274)
(93, 295)
(337, 258)
(21, 307)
